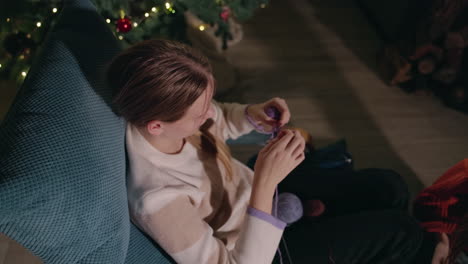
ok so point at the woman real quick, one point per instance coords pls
(201, 205)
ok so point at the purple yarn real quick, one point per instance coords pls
(289, 208)
(273, 112)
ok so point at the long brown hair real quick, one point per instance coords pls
(159, 80)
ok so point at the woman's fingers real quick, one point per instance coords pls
(299, 158)
(289, 142)
(284, 140)
(444, 238)
(441, 250)
(282, 106)
(299, 149)
(273, 141)
(265, 118)
(270, 144)
(296, 142)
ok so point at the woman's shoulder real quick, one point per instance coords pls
(151, 200)
(134, 141)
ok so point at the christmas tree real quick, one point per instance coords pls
(24, 24)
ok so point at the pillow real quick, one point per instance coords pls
(62, 153)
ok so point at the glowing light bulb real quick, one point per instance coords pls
(23, 74)
(154, 9)
(135, 24)
(168, 5)
(38, 24)
(54, 10)
(146, 14)
(202, 27)
(120, 37)
(108, 21)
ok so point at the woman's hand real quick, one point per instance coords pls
(277, 159)
(257, 112)
(441, 251)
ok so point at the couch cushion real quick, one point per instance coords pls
(143, 249)
(62, 155)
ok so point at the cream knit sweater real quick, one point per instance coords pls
(185, 204)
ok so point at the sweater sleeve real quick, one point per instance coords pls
(178, 229)
(230, 120)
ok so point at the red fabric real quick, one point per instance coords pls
(441, 206)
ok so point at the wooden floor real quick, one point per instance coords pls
(319, 55)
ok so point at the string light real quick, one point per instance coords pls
(154, 9)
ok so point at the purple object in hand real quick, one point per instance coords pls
(274, 113)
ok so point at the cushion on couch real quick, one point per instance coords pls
(62, 153)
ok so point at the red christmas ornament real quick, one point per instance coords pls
(226, 13)
(124, 25)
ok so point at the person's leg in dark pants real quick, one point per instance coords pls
(346, 191)
(363, 190)
(389, 236)
(365, 220)
(371, 202)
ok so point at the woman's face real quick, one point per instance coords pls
(195, 116)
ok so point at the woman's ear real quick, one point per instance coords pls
(155, 127)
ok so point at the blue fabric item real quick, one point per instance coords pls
(143, 250)
(62, 153)
(252, 138)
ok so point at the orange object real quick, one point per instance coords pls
(306, 135)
